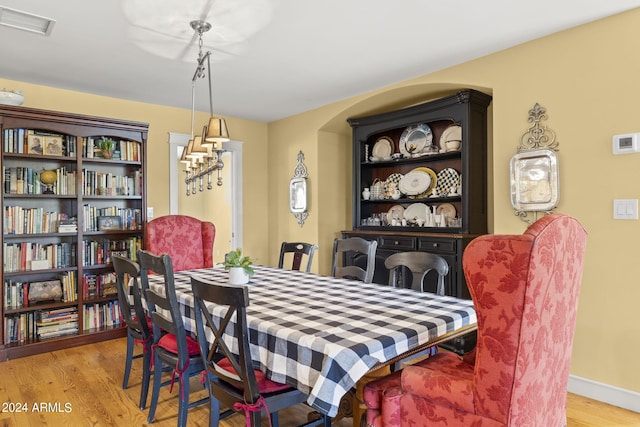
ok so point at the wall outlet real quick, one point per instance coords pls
(149, 213)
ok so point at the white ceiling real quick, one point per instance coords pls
(271, 58)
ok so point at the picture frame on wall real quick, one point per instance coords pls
(106, 223)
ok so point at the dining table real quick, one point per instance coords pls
(322, 334)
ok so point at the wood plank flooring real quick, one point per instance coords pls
(82, 386)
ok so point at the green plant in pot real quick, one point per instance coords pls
(106, 145)
(239, 267)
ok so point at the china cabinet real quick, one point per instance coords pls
(68, 206)
(420, 181)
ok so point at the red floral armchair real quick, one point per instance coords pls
(187, 240)
(525, 290)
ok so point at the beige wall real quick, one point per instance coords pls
(587, 78)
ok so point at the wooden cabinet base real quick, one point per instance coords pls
(23, 350)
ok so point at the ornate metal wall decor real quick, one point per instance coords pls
(535, 185)
(298, 191)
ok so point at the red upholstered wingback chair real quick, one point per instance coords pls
(525, 291)
(187, 240)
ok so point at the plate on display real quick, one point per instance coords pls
(398, 210)
(414, 183)
(447, 178)
(447, 209)
(416, 211)
(383, 148)
(393, 180)
(415, 140)
(434, 179)
(453, 135)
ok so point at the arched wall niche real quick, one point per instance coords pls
(334, 202)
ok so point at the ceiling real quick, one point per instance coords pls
(271, 58)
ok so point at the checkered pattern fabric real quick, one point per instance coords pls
(320, 334)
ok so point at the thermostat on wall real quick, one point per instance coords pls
(626, 143)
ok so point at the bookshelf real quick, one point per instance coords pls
(68, 206)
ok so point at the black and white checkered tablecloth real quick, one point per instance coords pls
(320, 334)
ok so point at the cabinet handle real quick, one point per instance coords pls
(396, 243)
(435, 245)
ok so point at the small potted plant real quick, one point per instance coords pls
(106, 145)
(239, 267)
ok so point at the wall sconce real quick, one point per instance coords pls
(298, 191)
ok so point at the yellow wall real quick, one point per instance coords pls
(586, 77)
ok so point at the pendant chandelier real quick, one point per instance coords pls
(203, 154)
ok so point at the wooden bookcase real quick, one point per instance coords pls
(107, 199)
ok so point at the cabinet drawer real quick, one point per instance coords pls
(430, 244)
(397, 242)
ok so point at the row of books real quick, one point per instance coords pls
(16, 293)
(37, 142)
(26, 256)
(124, 150)
(26, 180)
(102, 315)
(130, 218)
(23, 220)
(99, 285)
(57, 322)
(99, 252)
(34, 325)
(95, 183)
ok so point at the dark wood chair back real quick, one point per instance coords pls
(419, 263)
(232, 376)
(132, 309)
(354, 246)
(298, 249)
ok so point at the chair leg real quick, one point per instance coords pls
(214, 410)
(256, 419)
(128, 359)
(157, 380)
(183, 407)
(275, 420)
(146, 376)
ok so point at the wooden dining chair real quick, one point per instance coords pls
(419, 264)
(298, 249)
(233, 380)
(138, 323)
(354, 247)
(172, 348)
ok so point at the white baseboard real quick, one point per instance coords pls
(615, 396)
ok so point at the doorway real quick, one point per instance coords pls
(220, 205)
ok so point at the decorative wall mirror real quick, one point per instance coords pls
(298, 191)
(535, 184)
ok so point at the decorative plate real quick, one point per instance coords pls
(447, 209)
(382, 148)
(415, 139)
(452, 133)
(398, 210)
(414, 183)
(393, 179)
(447, 178)
(434, 179)
(416, 211)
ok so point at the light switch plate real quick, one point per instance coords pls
(625, 209)
(149, 213)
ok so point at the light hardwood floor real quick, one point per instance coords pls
(82, 386)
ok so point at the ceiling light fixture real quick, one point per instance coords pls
(203, 155)
(26, 21)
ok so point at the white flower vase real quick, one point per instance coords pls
(237, 276)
